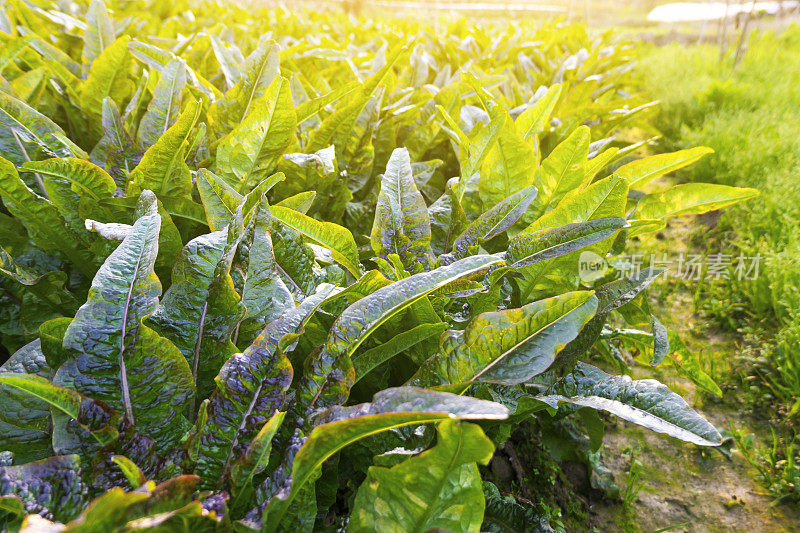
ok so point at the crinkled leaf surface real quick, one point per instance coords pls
(252, 150)
(329, 374)
(46, 227)
(99, 33)
(200, 310)
(332, 236)
(51, 488)
(511, 346)
(36, 132)
(264, 294)
(119, 360)
(24, 420)
(164, 108)
(494, 221)
(402, 225)
(250, 387)
(560, 172)
(645, 402)
(163, 168)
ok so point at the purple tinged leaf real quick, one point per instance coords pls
(402, 224)
(51, 488)
(329, 374)
(250, 387)
(201, 309)
(494, 221)
(117, 359)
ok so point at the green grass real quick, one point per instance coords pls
(750, 115)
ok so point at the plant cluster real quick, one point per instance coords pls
(256, 280)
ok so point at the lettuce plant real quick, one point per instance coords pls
(273, 271)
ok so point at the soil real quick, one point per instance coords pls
(688, 488)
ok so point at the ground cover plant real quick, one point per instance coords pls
(289, 275)
(749, 117)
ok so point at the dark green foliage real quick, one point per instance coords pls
(269, 240)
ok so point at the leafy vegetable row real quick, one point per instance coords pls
(228, 273)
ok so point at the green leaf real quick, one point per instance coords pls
(642, 171)
(561, 172)
(109, 76)
(645, 402)
(329, 374)
(264, 294)
(169, 506)
(163, 110)
(250, 387)
(338, 427)
(337, 126)
(45, 225)
(295, 260)
(49, 288)
(527, 249)
(508, 347)
(255, 458)
(603, 198)
(51, 335)
(688, 366)
(25, 420)
(227, 56)
(437, 489)
(100, 422)
(115, 151)
(299, 202)
(200, 310)
(509, 166)
(402, 225)
(367, 361)
(28, 127)
(448, 218)
(691, 199)
(77, 188)
(317, 173)
(252, 150)
(52, 486)
(474, 150)
(119, 360)
(85, 178)
(159, 59)
(99, 34)
(536, 118)
(600, 200)
(311, 107)
(494, 221)
(610, 296)
(132, 472)
(163, 167)
(220, 200)
(332, 236)
(504, 514)
(258, 73)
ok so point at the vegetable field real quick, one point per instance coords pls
(273, 270)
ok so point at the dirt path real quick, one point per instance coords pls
(688, 488)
